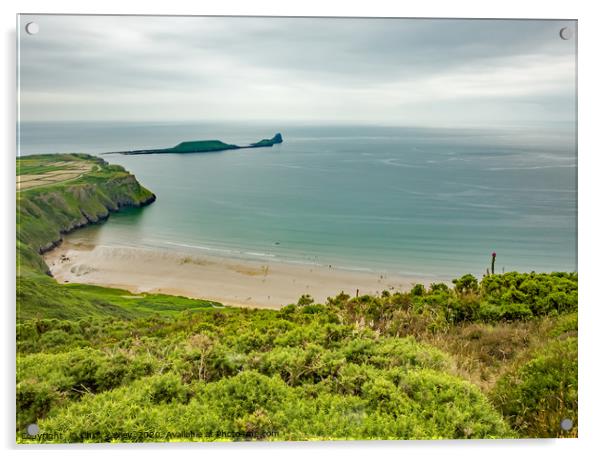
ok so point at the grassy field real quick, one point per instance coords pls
(32, 173)
(488, 358)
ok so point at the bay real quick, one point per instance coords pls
(417, 201)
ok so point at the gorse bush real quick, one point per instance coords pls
(537, 395)
(364, 368)
(566, 326)
(507, 297)
(390, 404)
(45, 380)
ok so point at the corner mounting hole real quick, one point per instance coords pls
(566, 33)
(566, 424)
(33, 429)
(32, 28)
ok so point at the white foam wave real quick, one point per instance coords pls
(263, 255)
(394, 162)
(535, 167)
(201, 247)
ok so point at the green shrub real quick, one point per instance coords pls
(515, 311)
(406, 352)
(418, 290)
(246, 392)
(439, 287)
(34, 401)
(466, 284)
(390, 404)
(304, 300)
(168, 388)
(538, 395)
(565, 325)
(458, 309)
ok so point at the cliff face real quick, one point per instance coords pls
(276, 139)
(45, 214)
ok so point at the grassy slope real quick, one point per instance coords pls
(479, 360)
(45, 213)
(396, 366)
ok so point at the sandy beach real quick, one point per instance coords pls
(230, 281)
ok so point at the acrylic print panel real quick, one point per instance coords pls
(272, 229)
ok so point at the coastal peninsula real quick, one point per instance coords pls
(58, 193)
(205, 146)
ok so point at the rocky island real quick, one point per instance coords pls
(205, 146)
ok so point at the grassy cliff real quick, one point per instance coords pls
(58, 203)
(57, 207)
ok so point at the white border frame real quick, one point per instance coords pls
(589, 217)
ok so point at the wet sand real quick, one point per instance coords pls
(231, 281)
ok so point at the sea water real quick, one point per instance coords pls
(416, 201)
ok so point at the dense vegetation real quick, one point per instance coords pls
(479, 359)
(402, 365)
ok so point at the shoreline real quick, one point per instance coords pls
(235, 282)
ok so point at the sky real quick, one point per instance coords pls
(412, 72)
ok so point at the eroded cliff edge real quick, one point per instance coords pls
(45, 213)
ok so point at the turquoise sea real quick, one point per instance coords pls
(416, 201)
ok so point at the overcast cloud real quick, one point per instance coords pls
(385, 71)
